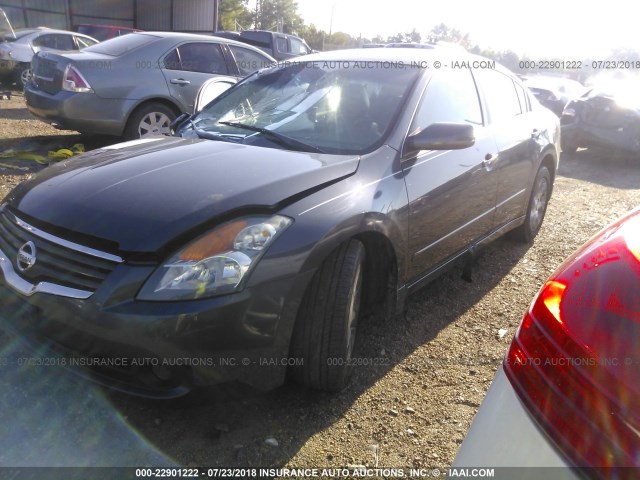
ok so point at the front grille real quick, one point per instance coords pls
(55, 262)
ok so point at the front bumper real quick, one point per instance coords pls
(84, 112)
(160, 349)
(581, 134)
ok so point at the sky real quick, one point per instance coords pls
(567, 29)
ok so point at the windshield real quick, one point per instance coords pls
(332, 107)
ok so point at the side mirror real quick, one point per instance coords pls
(442, 136)
(178, 122)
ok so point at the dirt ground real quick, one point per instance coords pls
(413, 408)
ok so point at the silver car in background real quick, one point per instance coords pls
(18, 48)
(135, 85)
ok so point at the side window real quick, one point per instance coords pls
(84, 42)
(500, 93)
(281, 44)
(247, 60)
(45, 41)
(197, 57)
(298, 47)
(172, 60)
(451, 96)
(65, 42)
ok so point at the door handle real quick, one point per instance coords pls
(489, 160)
(179, 81)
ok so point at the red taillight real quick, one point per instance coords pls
(575, 359)
(73, 81)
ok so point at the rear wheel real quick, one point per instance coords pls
(537, 208)
(325, 332)
(149, 120)
(23, 75)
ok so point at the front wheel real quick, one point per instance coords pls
(537, 208)
(325, 331)
(149, 120)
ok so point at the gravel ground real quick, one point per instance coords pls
(432, 368)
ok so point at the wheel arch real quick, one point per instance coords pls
(384, 266)
(550, 161)
(147, 101)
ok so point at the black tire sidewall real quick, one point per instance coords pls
(529, 233)
(321, 333)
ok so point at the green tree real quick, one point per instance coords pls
(278, 14)
(234, 15)
(509, 59)
(409, 37)
(453, 35)
(314, 37)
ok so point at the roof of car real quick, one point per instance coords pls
(199, 36)
(106, 26)
(406, 55)
(28, 31)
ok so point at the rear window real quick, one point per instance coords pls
(120, 45)
(95, 31)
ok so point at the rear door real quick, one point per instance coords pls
(511, 121)
(451, 193)
(186, 67)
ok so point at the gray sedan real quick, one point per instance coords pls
(135, 85)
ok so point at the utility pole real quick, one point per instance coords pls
(256, 22)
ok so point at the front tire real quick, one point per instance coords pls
(540, 195)
(149, 120)
(325, 331)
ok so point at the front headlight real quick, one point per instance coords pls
(215, 263)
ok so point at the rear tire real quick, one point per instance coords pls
(325, 331)
(540, 195)
(151, 119)
(23, 75)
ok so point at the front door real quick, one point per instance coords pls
(452, 194)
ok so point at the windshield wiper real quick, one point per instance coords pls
(278, 137)
(211, 135)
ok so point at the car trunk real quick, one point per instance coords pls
(46, 74)
(48, 67)
(6, 30)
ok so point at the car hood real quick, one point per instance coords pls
(141, 195)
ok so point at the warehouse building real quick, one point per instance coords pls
(197, 16)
